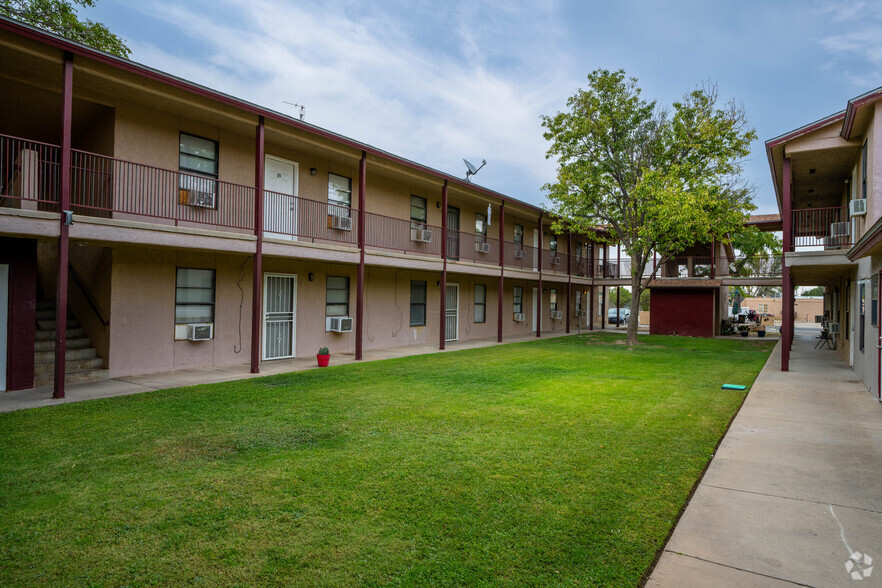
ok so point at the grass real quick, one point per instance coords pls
(561, 461)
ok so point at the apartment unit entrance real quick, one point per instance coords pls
(279, 315)
(451, 313)
(280, 198)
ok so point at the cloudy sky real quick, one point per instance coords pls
(439, 81)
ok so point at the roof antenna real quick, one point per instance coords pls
(296, 106)
(472, 169)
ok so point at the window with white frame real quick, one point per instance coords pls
(518, 299)
(519, 235)
(198, 162)
(417, 303)
(337, 296)
(552, 299)
(194, 298)
(419, 212)
(762, 307)
(480, 303)
(339, 195)
(480, 228)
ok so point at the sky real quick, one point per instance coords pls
(436, 82)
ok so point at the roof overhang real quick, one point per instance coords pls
(869, 244)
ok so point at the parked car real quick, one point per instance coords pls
(623, 315)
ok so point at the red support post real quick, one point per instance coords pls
(786, 284)
(713, 257)
(569, 278)
(501, 271)
(359, 294)
(64, 230)
(257, 266)
(539, 289)
(443, 335)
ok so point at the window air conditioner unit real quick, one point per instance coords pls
(341, 223)
(482, 247)
(556, 314)
(520, 254)
(839, 229)
(857, 207)
(519, 317)
(580, 314)
(834, 328)
(197, 198)
(555, 260)
(421, 235)
(200, 332)
(338, 324)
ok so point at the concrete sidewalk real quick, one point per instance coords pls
(123, 386)
(794, 489)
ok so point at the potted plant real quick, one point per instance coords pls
(761, 331)
(744, 330)
(323, 356)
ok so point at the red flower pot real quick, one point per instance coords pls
(323, 359)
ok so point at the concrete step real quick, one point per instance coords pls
(70, 365)
(72, 343)
(48, 314)
(72, 323)
(72, 377)
(49, 334)
(69, 355)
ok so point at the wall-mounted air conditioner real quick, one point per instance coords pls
(520, 254)
(839, 229)
(519, 317)
(197, 198)
(834, 328)
(857, 207)
(580, 314)
(421, 235)
(341, 223)
(200, 332)
(482, 247)
(556, 314)
(338, 324)
(555, 260)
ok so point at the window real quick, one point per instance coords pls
(417, 304)
(552, 245)
(578, 250)
(418, 212)
(480, 303)
(862, 306)
(578, 302)
(518, 299)
(552, 299)
(874, 301)
(194, 296)
(198, 156)
(339, 195)
(337, 296)
(519, 234)
(480, 228)
(864, 170)
(762, 307)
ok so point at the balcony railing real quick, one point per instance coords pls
(404, 236)
(29, 174)
(822, 228)
(554, 261)
(521, 256)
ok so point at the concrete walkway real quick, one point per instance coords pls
(795, 487)
(123, 386)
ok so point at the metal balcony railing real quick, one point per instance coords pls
(822, 228)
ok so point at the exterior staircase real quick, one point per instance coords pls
(82, 363)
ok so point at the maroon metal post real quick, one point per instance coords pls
(603, 319)
(569, 277)
(713, 257)
(501, 271)
(257, 266)
(64, 229)
(591, 308)
(443, 335)
(786, 285)
(539, 289)
(359, 294)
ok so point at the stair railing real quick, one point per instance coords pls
(88, 295)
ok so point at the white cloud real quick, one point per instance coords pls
(858, 48)
(471, 83)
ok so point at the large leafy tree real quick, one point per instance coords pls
(60, 17)
(758, 255)
(653, 180)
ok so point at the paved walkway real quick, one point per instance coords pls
(20, 399)
(795, 486)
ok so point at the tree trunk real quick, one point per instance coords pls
(634, 319)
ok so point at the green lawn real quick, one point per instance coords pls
(561, 461)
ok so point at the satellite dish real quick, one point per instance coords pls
(472, 170)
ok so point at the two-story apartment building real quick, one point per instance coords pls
(149, 224)
(827, 182)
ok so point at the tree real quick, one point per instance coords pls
(60, 17)
(816, 291)
(621, 298)
(651, 180)
(758, 255)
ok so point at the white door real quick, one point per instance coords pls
(280, 198)
(451, 313)
(4, 316)
(279, 315)
(535, 307)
